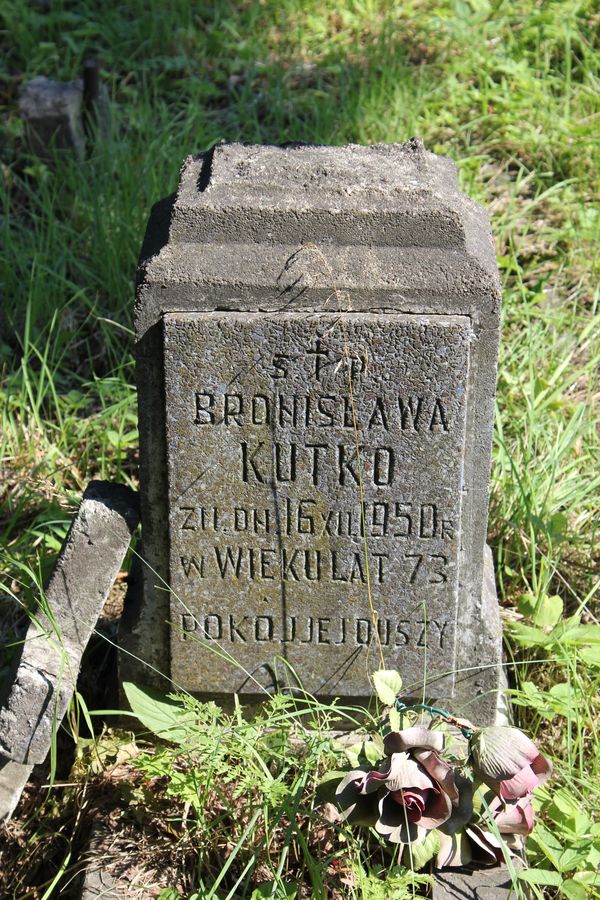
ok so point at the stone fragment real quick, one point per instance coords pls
(316, 340)
(59, 632)
(475, 883)
(115, 867)
(99, 883)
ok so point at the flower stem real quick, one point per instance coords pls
(435, 711)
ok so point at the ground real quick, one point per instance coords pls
(509, 90)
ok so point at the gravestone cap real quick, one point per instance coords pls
(365, 204)
(381, 194)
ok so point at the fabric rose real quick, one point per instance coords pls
(411, 792)
(508, 761)
(479, 841)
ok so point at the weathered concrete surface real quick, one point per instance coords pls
(382, 195)
(53, 115)
(54, 643)
(98, 883)
(13, 778)
(380, 231)
(474, 883)
(480, 681)
(266, 552)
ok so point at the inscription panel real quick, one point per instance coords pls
(314, 461)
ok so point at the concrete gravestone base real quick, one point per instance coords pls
(316, 338)
(52, 113)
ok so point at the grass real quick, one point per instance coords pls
(508, 90)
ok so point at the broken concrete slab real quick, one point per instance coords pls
(13, 778)
(61, 627)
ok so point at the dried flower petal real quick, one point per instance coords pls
(455, 850)
(354, 805)
(393, 823)
(439, 770)
(508, 761)
(411, 738)
(499, 751)
(406, 772)
(515, 818)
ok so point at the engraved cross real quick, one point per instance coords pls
(319, 355)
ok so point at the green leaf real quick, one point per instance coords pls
(572, 632)
(526, 604)
(558, 525)
(541, 877)
(378, 741)
(548, 611)
(332, 775)
(548, 843)
(584, 634)
(591, 655)
(563, 698)
(373, 752)
(566, 810)
(565, 802)
(573, 889)
(593, 857)
(544, 611)
(591, 878)
(353, 754)
(572, 859)
(387, 685)
(529, 694)
(162, 717)
(426, 850)
(528, 636)
(326, 787)
(274, 889)
(394, 718)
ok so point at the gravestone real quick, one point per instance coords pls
(316, 340)
(55, 113)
